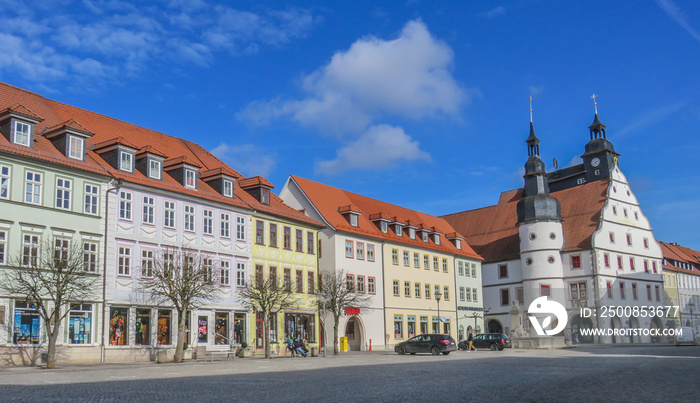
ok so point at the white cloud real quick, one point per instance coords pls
(374, 80)
(380, 147)
(492, 12)
(676, 14)
(123, 37)
(249, 159)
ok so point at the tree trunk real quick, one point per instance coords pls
(180, 348)
(266, 333)
(53, 328)
(336, 340)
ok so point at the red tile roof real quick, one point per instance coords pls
(20, 109)
(109, 131)
(492, 230)
(328, 199)
(675, 252)
(71, 124)
(150, 150)
(254, 182)
(181, 160)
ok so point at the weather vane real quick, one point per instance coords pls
(530, 101)
(595, 104)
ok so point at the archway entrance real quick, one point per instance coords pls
(354, 333)
(577, 324)
(495, 326)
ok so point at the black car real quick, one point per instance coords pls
(492, 341)
(427, 343)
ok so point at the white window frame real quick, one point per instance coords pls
(225, 267)
(154, 169)
(190, 179)
(349, 252)
(73, 151)
(3, 246)
(190, 212)
(240, 228)
(227, 188)
(64, 189)
(5, 181)
(33, 187)
(124, 261)
(91, 205)
(475, 295)
(169, 214)
(225, 231)
(30, 249)
(90, 256)
(370, 252)
(371, 285)
(148, 207)
(21, 133)
(125, 204)
(240, 274)
(147, 263)
(126, 161)
(208, 222)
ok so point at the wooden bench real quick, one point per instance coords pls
(220, 349)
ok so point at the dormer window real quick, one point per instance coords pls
(412, 233)
(22, 133)
(436, 238)
(425, 236)
(190, 179)
(228, 188)
(384, 227)
(265, 196)
(126, 161)
(458, 244)
(76, 147)
(155, 169)
(398, 229)
(353, 220)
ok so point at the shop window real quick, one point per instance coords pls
(411, 325)
(118, 322)
(143, 327)
(398, 326)
(300, 326)
(203, 329)
(164, 327)
(436, 324)
(424, 324)
(80, 324)
(27, 324)
(221, 336)
(239, 326)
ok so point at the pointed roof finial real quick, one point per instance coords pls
(595, 104)
(530, 101)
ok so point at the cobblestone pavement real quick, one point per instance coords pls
(624, 373)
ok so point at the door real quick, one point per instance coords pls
(259, 341)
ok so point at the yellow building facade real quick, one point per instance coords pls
(286, 250)
(413, 279)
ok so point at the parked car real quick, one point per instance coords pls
(686, 335)
(492, 341)
(427, 343)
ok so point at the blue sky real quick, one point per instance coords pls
(417, 103)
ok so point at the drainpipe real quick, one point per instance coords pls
(104, 267)
(384, 296)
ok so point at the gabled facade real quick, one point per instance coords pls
(400, 257)
(681, 271)
(284, 248)
(576, 235)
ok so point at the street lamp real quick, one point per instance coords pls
(322, 304)
(692, 321)
(437, 298)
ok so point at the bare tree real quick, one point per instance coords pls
(336, 295)
(267, 297)
(50, 276)
(183, 277)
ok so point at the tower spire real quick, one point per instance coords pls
(595, 104)
(533, 143)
